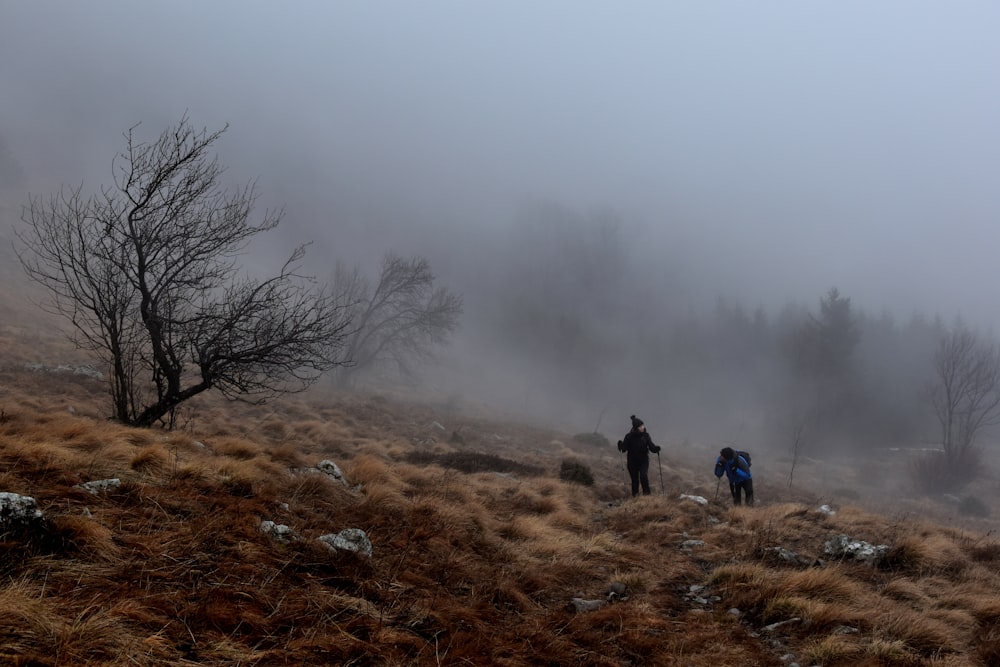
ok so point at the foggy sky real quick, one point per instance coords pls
(768, 150)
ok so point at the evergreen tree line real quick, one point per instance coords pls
(599, 329)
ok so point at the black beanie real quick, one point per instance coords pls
(636, 422)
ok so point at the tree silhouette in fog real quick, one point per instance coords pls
(399, 320)
(147, 272)
(966, 394)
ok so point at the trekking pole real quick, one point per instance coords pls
(624, 476)
(660, 466)
(717, 483)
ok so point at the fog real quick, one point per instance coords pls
(635, 168)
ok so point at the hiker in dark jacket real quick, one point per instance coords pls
(737, 469)
(637, 444)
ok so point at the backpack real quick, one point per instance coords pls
(745, 455)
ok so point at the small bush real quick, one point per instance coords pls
(973, 506)
(940, 472)
(595, 439)
(472, 462)
(576, 472)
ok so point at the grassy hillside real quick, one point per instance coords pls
(478, 548)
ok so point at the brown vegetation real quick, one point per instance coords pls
(478, 549)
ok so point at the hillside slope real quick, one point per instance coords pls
(471, 564)
(480, 553)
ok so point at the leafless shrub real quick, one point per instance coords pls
(966, 395)
(938, 472)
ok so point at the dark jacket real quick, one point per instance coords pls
(637, 444)
(736, 470)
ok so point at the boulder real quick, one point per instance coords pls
(18, 512)
(845, 548)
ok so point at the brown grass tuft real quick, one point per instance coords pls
(925, 554)
(87, 537)
(313, 489)
(888, 651)
(274, 429)
(287, 454)
(527, 500)
(905, 589)
(922, 633)
(830, 584)
(385, 499)
(369, 470)
(191, 473)
(150, 459)
(237, 448)
(249, 478)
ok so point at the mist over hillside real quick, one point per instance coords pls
(642, 209)
(770, 226)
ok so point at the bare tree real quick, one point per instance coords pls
(966, 394)
(798, 440)
(146, 270)
(400, 320)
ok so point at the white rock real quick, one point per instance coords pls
(333, 470)
(98, 485)
(18, 509)
(349, 539)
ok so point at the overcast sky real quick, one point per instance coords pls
(775, 148)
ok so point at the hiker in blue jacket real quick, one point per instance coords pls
(637, 444)
(737, 469)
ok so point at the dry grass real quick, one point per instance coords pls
(928, 552)
(830, 584)
(470, 566)
(153, 459)
(906, 590)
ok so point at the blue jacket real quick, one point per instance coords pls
(736, 470)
